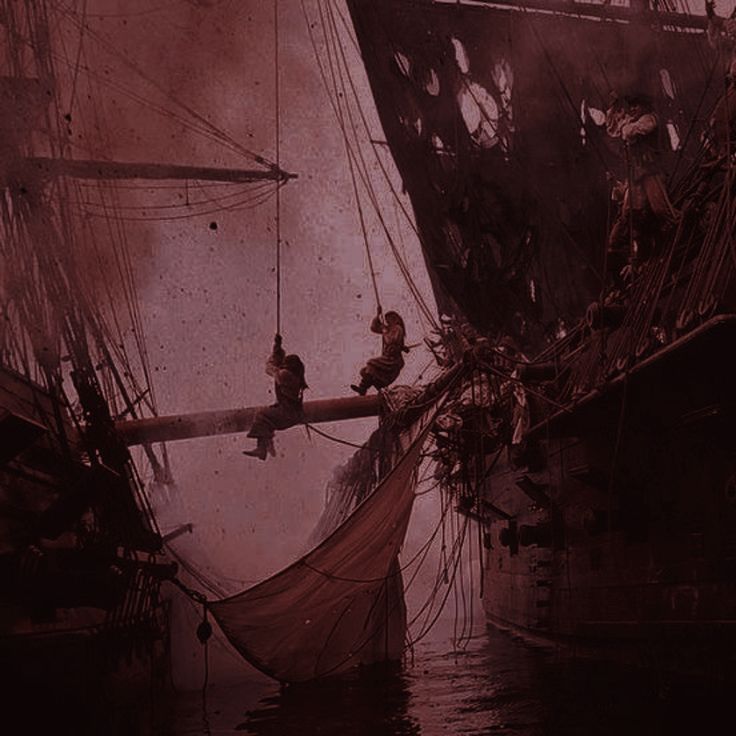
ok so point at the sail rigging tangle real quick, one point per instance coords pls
(327, 30)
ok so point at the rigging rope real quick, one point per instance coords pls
(365, 238)
(343, 66)
(421, 303)
(335, 54)
(312, 428)
(333, 66)
(277, 93)
(205, 126)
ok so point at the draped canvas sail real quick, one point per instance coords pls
(341, 605)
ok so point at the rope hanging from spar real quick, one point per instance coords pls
(277, 92)
(370, 260)
(361, 216)
(343, 118)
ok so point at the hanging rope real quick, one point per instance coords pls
(335, 74)
(342, 117)
(312, 428)
(278, 162)
(368, 253)
(362, 224)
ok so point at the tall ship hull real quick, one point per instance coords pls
(626, 539)
(82, 622)
(83, 625)
(597, 453)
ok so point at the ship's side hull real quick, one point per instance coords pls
(71, 681)
(626, 539)
(83, 628)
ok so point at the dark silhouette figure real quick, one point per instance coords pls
(645, 205)
(721, 34)
(289, 385)
(384, 370)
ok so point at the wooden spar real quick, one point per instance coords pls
(128, 170)
(230, 421)
(638, 11)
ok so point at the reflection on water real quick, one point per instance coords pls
(497, 685)
(373, 702)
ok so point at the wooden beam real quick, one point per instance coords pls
(80, 169)
(231, 421)
(637, 13)
(181, 529)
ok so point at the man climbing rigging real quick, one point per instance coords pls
(384, 370)
(721, 33)
(289, 385)
(645, 204)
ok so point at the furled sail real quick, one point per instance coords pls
(341, 605)
(495, 117)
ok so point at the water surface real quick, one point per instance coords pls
(496, 685)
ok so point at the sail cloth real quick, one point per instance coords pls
(341, 605)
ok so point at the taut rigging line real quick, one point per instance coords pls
(277, 93)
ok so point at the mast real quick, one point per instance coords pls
(36, 172)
